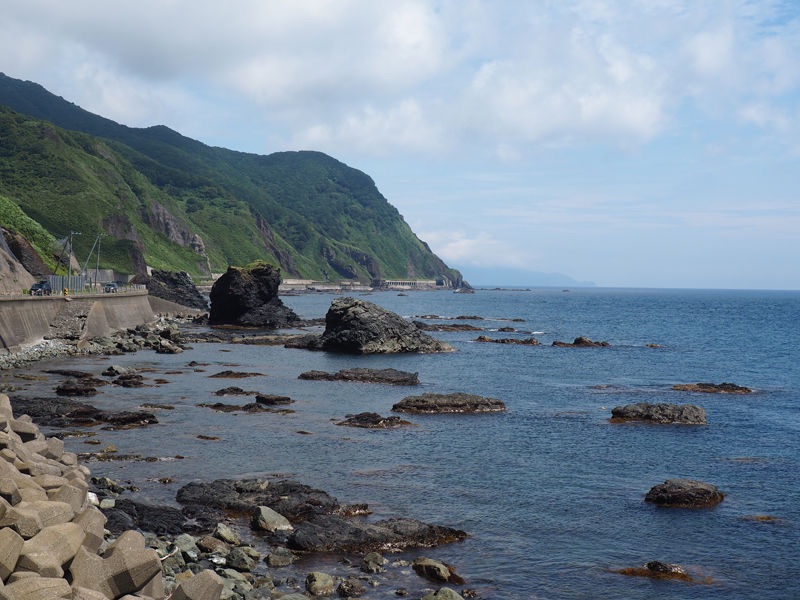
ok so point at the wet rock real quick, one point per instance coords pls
(78, 387)
(685, 414)
(266, 519)
(446, 326)
(684, 493)
(320, 584)
(581, 342)
(233, 391)
(430, 403)
(352, 587)
(370, 420)
(364, 375)
(356, 326)
(373, 563)
(294, 500)
(712, 388)
(657, 570)
(436, 570)
(228, 374)
(248, 296)
(272, 400)
(280, 557)
(443, 594)
(62, 412)
(333, 533)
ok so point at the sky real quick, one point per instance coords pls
(635, 143)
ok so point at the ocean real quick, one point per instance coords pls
(550, 492)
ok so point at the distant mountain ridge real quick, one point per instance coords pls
(160, 199)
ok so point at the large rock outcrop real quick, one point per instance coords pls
(248, 297)
(684, 493)
(176, 287)
(359, 327)
(662, 413)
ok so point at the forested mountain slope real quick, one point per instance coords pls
(166, 201)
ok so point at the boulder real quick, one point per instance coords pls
(356, 326)
(206, 585)
(684, 493)
(364, 375)
(684, 414)
(430, 403)
(266, 519)
(248, 296)
(320, 584)
(436, 570)
(712, 388)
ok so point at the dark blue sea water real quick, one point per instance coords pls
(550, 492)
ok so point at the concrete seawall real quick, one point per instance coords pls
(25, 321)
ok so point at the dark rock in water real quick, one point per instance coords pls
(684, 493)
(236, 374)
(162, 520)
(364, 375)
(333, 533)
(233, 391)
(272, 400)
(581, 342)
(176, 287)
(62, 412)
(531, 341)
(446, 326)
(356, 326)
(129, 380)
(251, 407)
(77, 387)
(430, 403)
(370, 420)
(248, 297)
(293, 500)
(658, 570)
(712, 388)
(685, 414)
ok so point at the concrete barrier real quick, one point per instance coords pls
(25, 321)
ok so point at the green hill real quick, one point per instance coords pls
(169, 202)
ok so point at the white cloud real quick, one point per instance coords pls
(480, 250)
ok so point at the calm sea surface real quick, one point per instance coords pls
(550, 492)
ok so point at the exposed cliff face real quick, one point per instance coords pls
(163, 221)
(21, 250)
(13, 276)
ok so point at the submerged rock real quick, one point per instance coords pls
(430, 403)
(531, 341)
(657, 570)
(581, 342)
(248, 296)
(371, 420)
(359, 327)
(685, 414)
(684, 493)
(364, 375)
(712, 388)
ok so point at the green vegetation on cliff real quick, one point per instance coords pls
(169, 202)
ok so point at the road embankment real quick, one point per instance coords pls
(25, 321)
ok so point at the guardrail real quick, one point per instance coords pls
(132, 288)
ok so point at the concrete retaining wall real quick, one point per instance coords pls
(27, 321)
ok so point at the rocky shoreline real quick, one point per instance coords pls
(214, 538)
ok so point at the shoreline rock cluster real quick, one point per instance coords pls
(52, 537)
